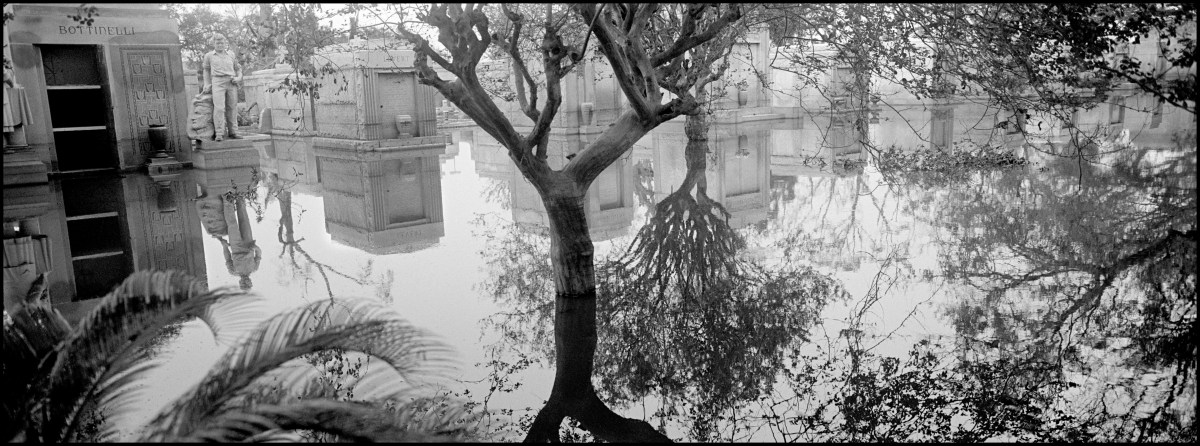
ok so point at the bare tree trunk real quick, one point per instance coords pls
(571, 253)
(695, 127)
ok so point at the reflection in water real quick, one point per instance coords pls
(699, 352)
(688, 318)
(1066, 289)
(735, 158)
(242, 254)
(280, 191)
(608, 203)
(683, 316)
(223, 213)
(1086, 268)
(819, 218)
(87, 234)
(385, 201)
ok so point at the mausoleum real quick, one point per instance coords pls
(92, 96)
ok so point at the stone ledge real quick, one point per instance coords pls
(228, 153)
(374, 150)
(248, 140)
(388, 241)
(26, 201)
(25, 172)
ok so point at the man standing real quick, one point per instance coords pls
(222, 73)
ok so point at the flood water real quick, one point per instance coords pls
(999, 303)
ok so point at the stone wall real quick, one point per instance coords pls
(141, 75)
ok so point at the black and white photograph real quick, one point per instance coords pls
(600, 222)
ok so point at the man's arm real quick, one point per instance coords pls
(206, 69)
(237, 68)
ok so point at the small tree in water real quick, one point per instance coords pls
(647, 47)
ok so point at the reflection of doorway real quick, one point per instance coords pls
(79, 104)
(405, 203)
(97, 234)
(741, 168)
(941, 128)
(610, 184)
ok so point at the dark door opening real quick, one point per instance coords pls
(80, 107)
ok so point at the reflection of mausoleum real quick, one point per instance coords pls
(737, 172)
(88, 234)
(609, 200)
(382, 196)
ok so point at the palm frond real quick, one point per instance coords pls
(39, 325)
(37, 290)
(106, 345)
(354, 421)
(358, 326)
(31, 334)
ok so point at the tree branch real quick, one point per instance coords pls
(609, 46)
(553, 52)
(456, 30)
(528, 104)
(687, 40)
(628, 128)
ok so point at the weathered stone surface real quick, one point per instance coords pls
(200, 122)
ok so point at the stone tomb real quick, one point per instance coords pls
(376, 95)
(90, 94)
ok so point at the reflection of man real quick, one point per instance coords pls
(222, 73)
(212, 213)
(242, 254)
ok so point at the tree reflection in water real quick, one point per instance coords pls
(683, 316)
(1079, 265)
(301, 264)
(1073, 305)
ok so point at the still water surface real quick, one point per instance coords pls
(1070, 275)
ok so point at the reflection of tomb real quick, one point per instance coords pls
(491, 159)
(382, 196)
(221, 169)
(815, 142)
(737, 177)
(609, 200)
(93, 232)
